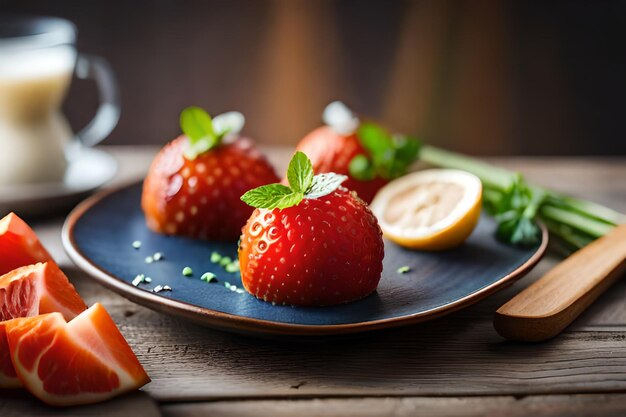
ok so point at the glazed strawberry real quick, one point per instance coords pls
(194, 183)
(365, 152)
(313, 243)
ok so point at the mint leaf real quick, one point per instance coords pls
(362, 168)
(324, 184)
(303, 185)
(391, 156)
(406, 150)
(300, 172)
(375, 139)
(198, 126)
(272, 196)
(229, 122)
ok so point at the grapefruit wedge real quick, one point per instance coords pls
(29, 291)
(19, 245)
(83, 361)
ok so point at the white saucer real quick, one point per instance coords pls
(89, 170)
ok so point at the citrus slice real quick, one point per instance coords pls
(29, 291)
(82, 361)
(19, 245)
(433, 209)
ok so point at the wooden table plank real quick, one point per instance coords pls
(604, 405)
(457, 355)
(132, 404)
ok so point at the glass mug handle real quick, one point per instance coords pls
(90, 67)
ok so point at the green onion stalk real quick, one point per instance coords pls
(517, 205)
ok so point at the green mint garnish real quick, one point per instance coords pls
(390, 156)
(137, 244)
(302, 184)
(404, 269)
(300, 173)
(139, 278)
(215, 257)
(225, 261)
(160, 288)
(187, 271)
(205, 133)
(232, 267)
(208, 277)
(324, 184)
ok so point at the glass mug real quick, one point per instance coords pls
(37, 61)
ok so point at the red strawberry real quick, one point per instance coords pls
(366, 153)
(330, 151)
(193, 187)
(310, 244)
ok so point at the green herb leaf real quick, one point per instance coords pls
(229, 122)
(404, 269)
(375, 138)
(362, 168)
(197, 125)
(324, 184)
(389, 156)
(272, 196)
(303, 185)
(300, 173)
(515, 211)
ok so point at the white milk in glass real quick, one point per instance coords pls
(33, 132)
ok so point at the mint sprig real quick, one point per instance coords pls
(390, 156)
(300, 172)
(302, 184)
(205, 133)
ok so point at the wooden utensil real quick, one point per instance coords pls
(549, 305)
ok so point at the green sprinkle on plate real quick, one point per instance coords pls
(216, 257)
(404, 269)
(208, 277)
(187, 271)
(137, 244)
(232, 267)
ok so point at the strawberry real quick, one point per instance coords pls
(313, 243)
(365, 152)
(194, 183)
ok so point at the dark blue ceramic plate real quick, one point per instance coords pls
(98, 236)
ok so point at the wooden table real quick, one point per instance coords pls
(452, 366)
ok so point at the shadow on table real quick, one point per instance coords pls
(18, 403)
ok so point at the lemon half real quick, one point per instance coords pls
(434, 209)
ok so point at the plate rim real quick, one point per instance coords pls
(250, 325)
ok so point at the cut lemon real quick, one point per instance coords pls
(433, 209)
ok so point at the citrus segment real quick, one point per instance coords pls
(84, 361)
(429, 210)
(29, 291)
(19, 245)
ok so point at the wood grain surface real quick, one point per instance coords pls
(604, 405)
(551, 303)
(455, 357)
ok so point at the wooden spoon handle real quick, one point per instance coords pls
(550, 304)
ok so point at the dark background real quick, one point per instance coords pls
(482, 77)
